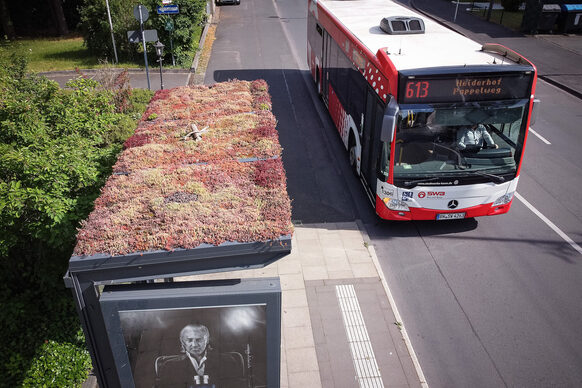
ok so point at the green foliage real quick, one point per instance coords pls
(55, 54)
(140, 99)
(94, 26)
(58, 365)
(54, 145)
(42, 344)
(57, 147)
(187, 26)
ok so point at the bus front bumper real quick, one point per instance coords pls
(416, 213)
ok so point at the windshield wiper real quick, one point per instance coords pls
(493, 177)
(413, 183)
(463, 165)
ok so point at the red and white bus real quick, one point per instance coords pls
(404, 91)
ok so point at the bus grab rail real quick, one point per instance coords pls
(505, 52)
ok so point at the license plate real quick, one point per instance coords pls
(450, 216)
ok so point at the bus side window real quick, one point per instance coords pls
(357, 98)
(333, 64)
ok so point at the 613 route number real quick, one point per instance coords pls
(417, 89)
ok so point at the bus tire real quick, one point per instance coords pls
(318, 82)
(353, 157)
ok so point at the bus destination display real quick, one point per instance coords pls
(464, 88)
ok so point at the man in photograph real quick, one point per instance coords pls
(195, 367)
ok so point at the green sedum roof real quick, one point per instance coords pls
(203, 167)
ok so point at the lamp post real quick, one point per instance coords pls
(160, 52)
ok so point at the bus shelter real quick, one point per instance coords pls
(93, 279)
(199, 188)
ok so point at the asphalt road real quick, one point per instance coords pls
(258, 40)
(488, 302)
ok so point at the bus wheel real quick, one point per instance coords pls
(318, 82)
(353, 156)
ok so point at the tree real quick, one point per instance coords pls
(6, 21)
(97, 35)
(38, 17)
(59, 17)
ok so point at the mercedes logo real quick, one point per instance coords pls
(453, 204)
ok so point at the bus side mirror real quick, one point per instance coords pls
(389, 121)
(388, 125)
(534, 112)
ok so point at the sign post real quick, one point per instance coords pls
(170, 28)
(141, 13)
(111, 29)
(169, 9)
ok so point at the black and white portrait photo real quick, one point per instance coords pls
(204, 347)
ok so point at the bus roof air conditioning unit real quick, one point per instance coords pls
(395, 25)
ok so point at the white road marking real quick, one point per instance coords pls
(540, 136)
(367, 371)
(550, 223)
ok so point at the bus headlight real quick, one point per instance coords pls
(503, 200)
(395, 204)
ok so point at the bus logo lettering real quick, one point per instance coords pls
(387, 192)
(431, 194)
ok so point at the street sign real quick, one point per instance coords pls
(144, 13)
(168, 9)
(169, 25)
(141, 13)
(149, 36)
(166, 2)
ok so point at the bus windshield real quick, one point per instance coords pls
(461, 143)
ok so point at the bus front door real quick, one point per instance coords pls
(370, 139)
(327, 64)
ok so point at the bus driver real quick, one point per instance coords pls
(474, 137)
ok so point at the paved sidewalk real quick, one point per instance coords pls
(328, 264)
(340, 327)
(558, 57)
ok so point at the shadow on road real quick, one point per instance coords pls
(319, 179)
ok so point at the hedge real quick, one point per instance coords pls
(57, 147)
